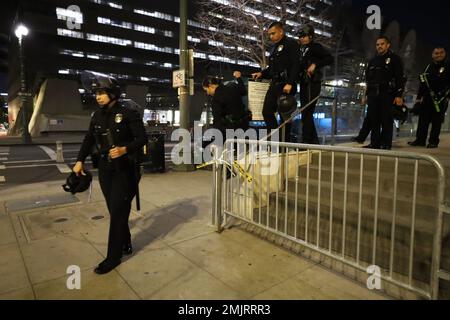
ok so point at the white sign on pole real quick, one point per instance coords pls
(256, 95)
(179, 78)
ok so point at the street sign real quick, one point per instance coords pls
(179, 78)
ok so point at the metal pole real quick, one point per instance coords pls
(26, 138)
(184, 91)
(334, 120)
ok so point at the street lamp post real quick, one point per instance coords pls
(21, 32)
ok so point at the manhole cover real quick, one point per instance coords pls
(61, 220)
(98, 218)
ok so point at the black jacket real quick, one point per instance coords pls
(284, 62)
(438, 76)
(384, 74)
(314, 53)
(228, 109)
(125, 125)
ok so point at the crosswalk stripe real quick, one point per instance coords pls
(49, 152)
(27, 161)
(2, 167)
(32, 166)
(63, 168)
(2, 179)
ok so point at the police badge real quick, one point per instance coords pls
(280, 48)
(119, 118)
(388, 60)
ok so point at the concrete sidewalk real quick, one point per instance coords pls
(178, 255)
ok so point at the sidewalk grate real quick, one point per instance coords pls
(39, 202)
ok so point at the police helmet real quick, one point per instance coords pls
(287, 104)
(94, 82)
(306, 30)
(400, 113)
(75, 184)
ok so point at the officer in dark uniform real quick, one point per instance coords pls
(117, 135)
(313, 58)
(228, 109)
(283, 70)
(385, 86)
(432, 97)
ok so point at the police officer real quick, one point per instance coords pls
(228, 109)
(385, 86)
(283, 70)
(432, 96)
(117, 134)
(313, 58)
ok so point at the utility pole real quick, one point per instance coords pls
(184, 65)
(184, 90)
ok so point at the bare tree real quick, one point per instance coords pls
(237, 28)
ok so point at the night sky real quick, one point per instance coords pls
(430, 19)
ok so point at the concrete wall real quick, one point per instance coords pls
(57, 107)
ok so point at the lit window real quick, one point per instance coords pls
(73, 16)
(70, 33)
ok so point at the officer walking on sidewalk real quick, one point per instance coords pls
(432, 98)
(385, 86)
(116, 135)
(283, 70)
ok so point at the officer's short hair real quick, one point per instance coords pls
(439, 47)
(277, 24)
(384, 38)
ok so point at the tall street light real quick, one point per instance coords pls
(21, 32)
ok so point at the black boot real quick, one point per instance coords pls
(106, 266)
(127, 249)
(417, 143)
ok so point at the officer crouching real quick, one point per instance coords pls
(116, 134)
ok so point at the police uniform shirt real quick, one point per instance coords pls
(284, 59)
(386, 72)
(126, 127)
(314, 53)
(438, 76)
(227, 101)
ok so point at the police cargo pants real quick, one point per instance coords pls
(428, 116)
(308, 92)
(119, 188)
(381, 120)
(271, 107)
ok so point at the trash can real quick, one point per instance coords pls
(155, 161)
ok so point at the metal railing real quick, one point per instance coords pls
(360, 207)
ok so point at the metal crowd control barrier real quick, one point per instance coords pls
(359, 207)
